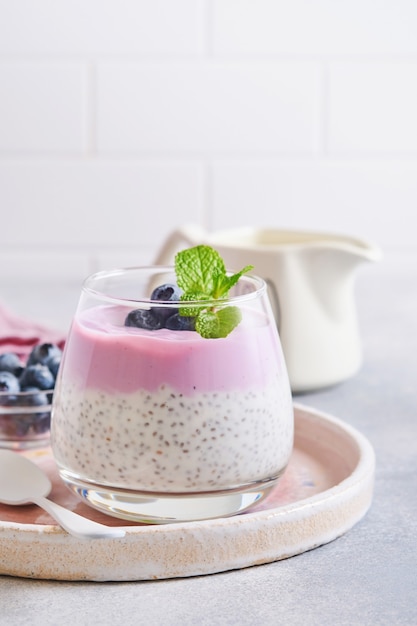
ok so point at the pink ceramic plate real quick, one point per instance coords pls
(326, 489)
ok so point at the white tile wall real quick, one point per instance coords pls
(372, 108)
(315, 27)
(93, 206)
(205, 108)
(87, 28)
(121, 120)
(43, 108)
(365, 198)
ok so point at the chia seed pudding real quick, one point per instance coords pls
(168, 411)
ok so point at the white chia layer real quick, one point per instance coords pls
(166, 442)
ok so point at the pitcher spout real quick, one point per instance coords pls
(359, 249)
(343, 245)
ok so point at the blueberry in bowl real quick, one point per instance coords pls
(26, 391)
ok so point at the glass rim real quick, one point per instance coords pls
(259, 287)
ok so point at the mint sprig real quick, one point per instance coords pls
(201, 274)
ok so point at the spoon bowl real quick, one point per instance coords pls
(23, 482)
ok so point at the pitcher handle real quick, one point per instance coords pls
(189, 234)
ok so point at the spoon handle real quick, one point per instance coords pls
(76, 524)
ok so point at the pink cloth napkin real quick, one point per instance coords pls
(19, 335)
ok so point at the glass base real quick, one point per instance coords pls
(160, 508)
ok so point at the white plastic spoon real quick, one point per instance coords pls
(22, 482)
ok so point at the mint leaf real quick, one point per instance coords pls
(229, 281)
(198, 270)
(207, 324)
(201, 274)
(220, 323)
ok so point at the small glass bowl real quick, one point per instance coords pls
(25, 419)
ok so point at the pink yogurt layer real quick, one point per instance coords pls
(101, 353)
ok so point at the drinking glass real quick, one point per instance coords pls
(164, 425)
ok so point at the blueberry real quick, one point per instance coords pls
(9, 382)
(36, 418)
(158, 316)
(37, 376)
(42, 423)
(180, 322)
(143, 318)
(10, 362)
(33, 396)
(53, 364)
(167, 293)
(18, 425)
(162, 314)
(9, 387)
(42, 352)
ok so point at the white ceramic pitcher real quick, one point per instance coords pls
(311, 279)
